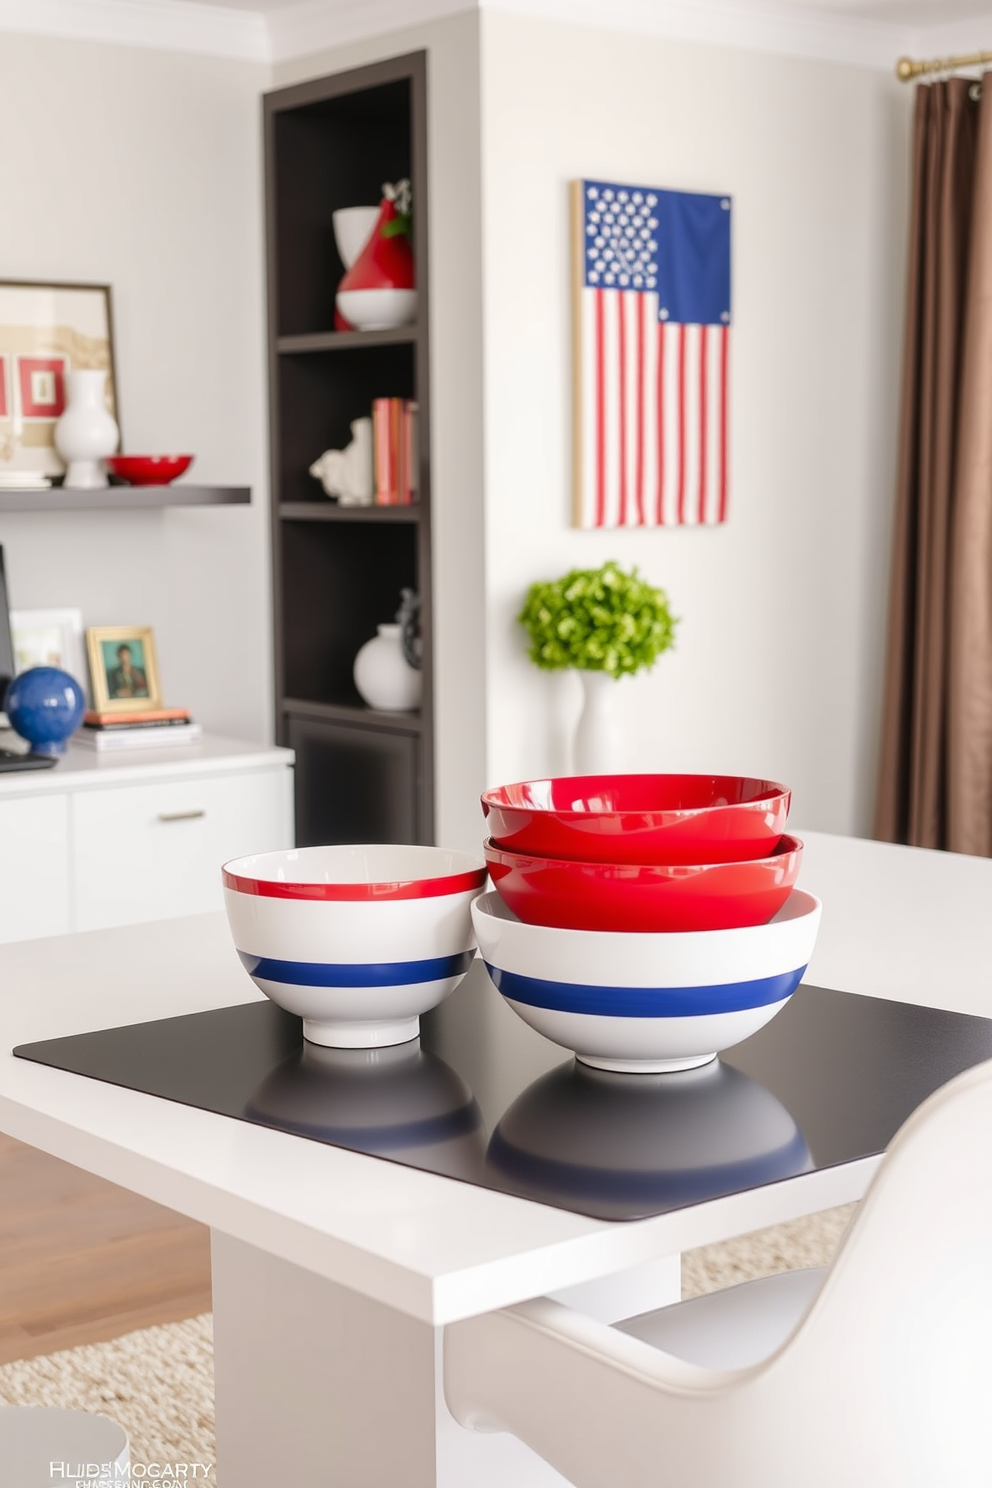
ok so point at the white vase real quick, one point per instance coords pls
(598, 744)
(86, 433)
(383, 676)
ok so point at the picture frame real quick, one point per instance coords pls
(49, 638)
(118, 683)
(46, 331)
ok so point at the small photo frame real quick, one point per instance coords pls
(46, 332)
(49, 638)
(123, 668)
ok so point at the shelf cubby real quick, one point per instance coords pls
(338, 584)
(319, 396)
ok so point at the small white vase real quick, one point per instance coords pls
(383, 676)
(598, 744)
(86, 433)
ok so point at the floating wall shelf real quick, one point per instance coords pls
(122, 498)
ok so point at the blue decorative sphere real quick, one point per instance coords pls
(45, 706)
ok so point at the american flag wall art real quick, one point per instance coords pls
(652, 355)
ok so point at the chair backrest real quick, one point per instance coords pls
(886, 1382)
(896, 1349)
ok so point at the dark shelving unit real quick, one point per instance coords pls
(361, 774)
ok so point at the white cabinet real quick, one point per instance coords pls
(34, 867)
(101, 841)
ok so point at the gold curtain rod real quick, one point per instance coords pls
(907, 69)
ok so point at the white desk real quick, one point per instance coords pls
(333, 1271)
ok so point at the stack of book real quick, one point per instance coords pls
(394, 451)
(138, 730)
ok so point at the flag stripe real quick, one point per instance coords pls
(622, 405)
(639, 430)
(588, 432)
(653, 445)
(692, 337)
(681, 449)
(715, 335)
(661, 424)
(703, 337)
(724, 358)
(600, 411)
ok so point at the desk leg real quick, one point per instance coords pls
(316, 1384)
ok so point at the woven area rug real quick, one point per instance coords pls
(159, 1383)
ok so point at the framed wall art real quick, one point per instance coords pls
(123, 669)
(47, 330)
(651, 333)
(49, 638)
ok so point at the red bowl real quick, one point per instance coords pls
(573, 895)
(661, 819)
(149, 470)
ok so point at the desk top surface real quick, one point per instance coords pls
(433, 1247)
(82, 768)
(481, 1097)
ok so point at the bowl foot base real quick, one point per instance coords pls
(646, 1066)
(361, 1035)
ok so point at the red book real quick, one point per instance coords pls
(396, 446)
(387, 450)
(384, 453)
(409, 457)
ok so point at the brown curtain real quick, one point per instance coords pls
(935, 785)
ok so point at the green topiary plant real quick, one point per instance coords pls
(598, 620)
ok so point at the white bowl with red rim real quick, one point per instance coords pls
(358, 940)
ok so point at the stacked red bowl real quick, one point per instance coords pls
(645, 922)
(642, 852)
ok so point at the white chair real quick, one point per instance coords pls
(41, 1446)
(876, 1371)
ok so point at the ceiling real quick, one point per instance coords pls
(908, 13)
(865, 32)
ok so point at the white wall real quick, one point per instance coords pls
(456, 397)
(777, 665)
(142, 169)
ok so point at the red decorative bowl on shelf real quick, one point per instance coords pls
(663, 819)
(148, 470)
(573, 895)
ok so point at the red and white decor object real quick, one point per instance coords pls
(352, 230)
(652, 347)
(378, 291)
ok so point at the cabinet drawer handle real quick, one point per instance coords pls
(167, 816)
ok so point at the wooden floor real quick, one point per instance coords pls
(82, 1261)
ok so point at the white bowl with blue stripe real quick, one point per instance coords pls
(357, 940)
(641, 1002)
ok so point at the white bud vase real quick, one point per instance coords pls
(598, 744)
(86, 433)
(383, 675)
